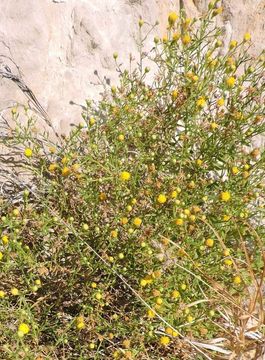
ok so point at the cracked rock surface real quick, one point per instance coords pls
(58, 44)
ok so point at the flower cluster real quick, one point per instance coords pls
(145, 226)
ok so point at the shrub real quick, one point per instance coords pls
(140, 235)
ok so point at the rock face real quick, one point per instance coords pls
(59, 44)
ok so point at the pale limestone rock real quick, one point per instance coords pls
(58, 44)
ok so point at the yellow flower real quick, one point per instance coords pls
(176, 36)
(201, 102)
(143, 282)
(232, 44)
(199, 162)
(191, 185)
(235, 170)
(114, 233)
(174, 94)
(5, 239)
(230, 82)
(190, 319)
(137, 222)
(213, 63)
(174, 194)
(192, 218)
(151, 314)
(159, 301)
(92, 121)
(52, 167)
(2, 294)
(162, 198)
(23, 329)
(125, 176)
(149, 279)
(121, 137)
(164, 340)
(196, 209)
(189, 75)
(80, 325)
(80, 318)
(228, 262)
(76, 167)
(124, 220)
(217, 11)
(175, 333)
(156, 274)
(246, 166)
(226, 217)
(172, 18)
(14, 291)
(171, 332)
(98, 296)
(247, 36)
(64, 160)
(214, 125)
(225, 196)
(28, 152)
(1, 255)
(94, 285)
(186, 39)
(226, 252)
(110, 336)
(209, 242)
(121, 256)
(168, 330)
(179, 222)
(66, 171)
(116, 354)
(230, 61)
(165, 241)
(175, 294)
(220, 102)
(126, 343)
(52, 149)
(237, 280)
(187, 22)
